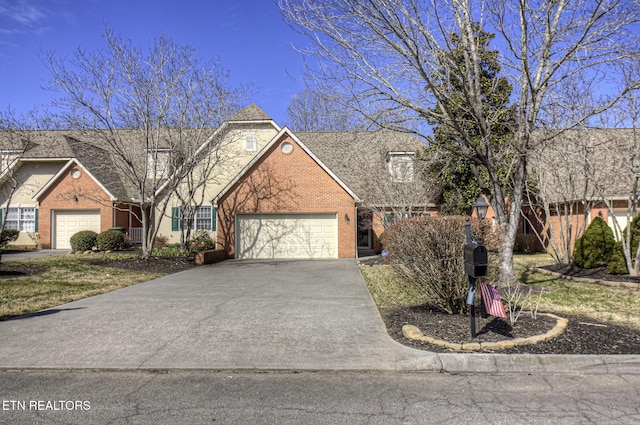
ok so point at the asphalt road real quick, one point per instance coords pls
(198, 397)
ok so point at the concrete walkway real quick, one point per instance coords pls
(293, 315)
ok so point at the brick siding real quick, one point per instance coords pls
(69, 193)
(288, 183)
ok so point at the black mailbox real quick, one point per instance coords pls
(476, 260)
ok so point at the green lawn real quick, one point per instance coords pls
(609, 304)
(63, 279)
(618, 305)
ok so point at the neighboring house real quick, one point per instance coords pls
(580, 175)
(64, 186)
(272, 194)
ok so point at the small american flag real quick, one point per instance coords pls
(491, 300)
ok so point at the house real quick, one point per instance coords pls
(271, 194)
(579, 175)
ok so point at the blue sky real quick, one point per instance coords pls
(249, 37)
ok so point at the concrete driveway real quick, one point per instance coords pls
(307, 315)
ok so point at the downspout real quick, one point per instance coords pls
(355, 229)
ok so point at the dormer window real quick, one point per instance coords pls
(401, 166)
(158, 163)
(250, 143)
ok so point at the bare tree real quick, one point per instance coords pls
(151, 110)
(562, 194)
(311, 110)
(17, 135)
(387, 53)
(618, 186)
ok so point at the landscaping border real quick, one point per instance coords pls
(412, 332)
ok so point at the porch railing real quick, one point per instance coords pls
(135, 233)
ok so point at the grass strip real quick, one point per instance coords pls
(64, 279)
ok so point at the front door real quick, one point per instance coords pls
(364, 229)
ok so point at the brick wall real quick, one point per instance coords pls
(288, 182)
(70, 193)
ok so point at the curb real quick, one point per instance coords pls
(412, 332)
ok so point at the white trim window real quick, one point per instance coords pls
(401, 166)
(202, 218)
(250, 143)
(23, 219)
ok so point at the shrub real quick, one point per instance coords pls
(525, 243)
(84, 240)
(160, 242)
(428, 252)
(201, 240)
(382, 238)
(595, 247)
(617, 263)
(8, 235)
(111, 240)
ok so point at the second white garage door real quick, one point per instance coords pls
(69, 222)
(287, 236)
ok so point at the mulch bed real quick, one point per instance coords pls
(14, 270)
(582, 336)
(167, 265)
(600, 273)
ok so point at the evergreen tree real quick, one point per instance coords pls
(595, 247)
(456, 166)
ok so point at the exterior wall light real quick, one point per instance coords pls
(481, 207)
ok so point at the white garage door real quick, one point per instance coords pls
(69, 222)
(287, 236)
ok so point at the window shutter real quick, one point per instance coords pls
(214, 218)
(36, 221)
(175, 219)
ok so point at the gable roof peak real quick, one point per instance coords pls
(250, 113)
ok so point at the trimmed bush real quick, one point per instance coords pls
(428, 253)
(8, 235)
(201, 241)
(111, 240)
(595, 247)
(84, 240)
(617, 263)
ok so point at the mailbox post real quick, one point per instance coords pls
(476, 261)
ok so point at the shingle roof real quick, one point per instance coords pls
(359, 159)
(588, 164)
(102, 166)
(66, 144)
(250, 113)
(48, 144)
